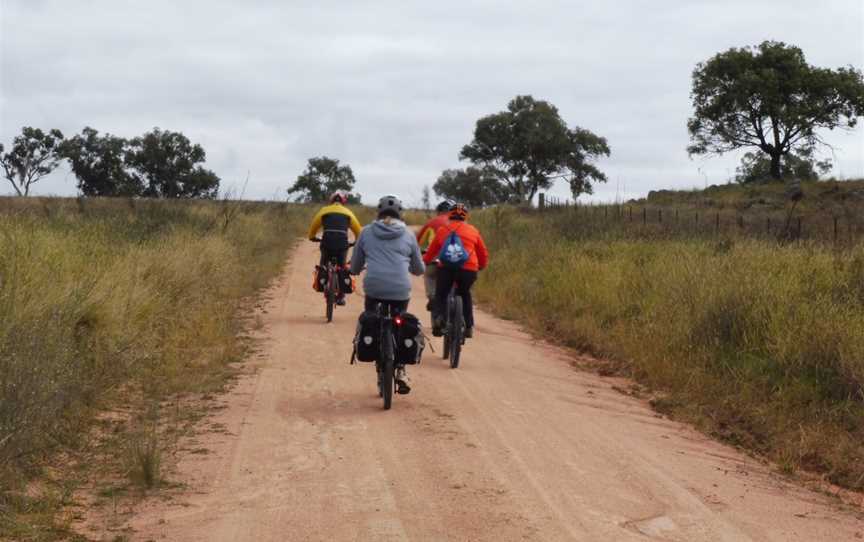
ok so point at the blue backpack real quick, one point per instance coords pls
(453, 253)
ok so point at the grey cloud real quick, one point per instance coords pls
(392, 88)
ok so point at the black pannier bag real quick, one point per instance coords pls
(346, 281)
(366, 339)
(409, 340)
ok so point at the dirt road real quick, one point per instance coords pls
(514, 445)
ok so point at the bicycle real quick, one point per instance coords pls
(331, 288)
(454, 329)
(385, 365)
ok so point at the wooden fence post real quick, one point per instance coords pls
(541, 201)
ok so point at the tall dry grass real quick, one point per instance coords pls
(105, 300)
(758, 343)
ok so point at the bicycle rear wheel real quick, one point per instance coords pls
(456, 332)
(331, 293)
(387, 368)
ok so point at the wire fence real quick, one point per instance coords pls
(838, 226)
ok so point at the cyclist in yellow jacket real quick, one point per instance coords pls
(335, 220)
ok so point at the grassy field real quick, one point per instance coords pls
(828, 211)
(117, 304)
(758, 342)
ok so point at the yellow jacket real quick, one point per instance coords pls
(339, 213)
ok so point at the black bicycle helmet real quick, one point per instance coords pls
(444, 206)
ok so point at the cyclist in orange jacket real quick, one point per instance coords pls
(463, 277)
(424, 238)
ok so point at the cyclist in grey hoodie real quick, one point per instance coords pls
(389, 252)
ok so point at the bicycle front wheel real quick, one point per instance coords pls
(456, 332)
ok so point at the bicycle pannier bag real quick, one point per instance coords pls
(409, 340)
(346, 281)
(366, 339)
(319, 278)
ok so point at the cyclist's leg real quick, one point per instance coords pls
(443, 282)
(466, 281)
(324, 257)
(429, 278)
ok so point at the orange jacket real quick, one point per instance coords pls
(471, 239)
(427, 232)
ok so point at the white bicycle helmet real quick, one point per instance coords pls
(390, 204)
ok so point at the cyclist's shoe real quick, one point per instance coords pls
(341, 301)
(402, 386)
(438, 327)
(469, 332)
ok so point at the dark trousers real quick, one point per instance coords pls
(395, 306)
(334, 244)
(464, 280)
(339, 254)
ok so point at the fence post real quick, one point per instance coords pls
(835, 230)
(605, 212)
(717, 224)
(768, 226)
(644, 215)
(541, 201)
(660, 216)
(799, 228)
(630, 212)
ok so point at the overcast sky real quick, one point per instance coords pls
(394, 88)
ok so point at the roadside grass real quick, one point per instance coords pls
(118, 305)
(756, 342)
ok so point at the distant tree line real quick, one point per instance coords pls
(158, 164)
(765, 99)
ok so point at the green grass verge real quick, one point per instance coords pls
(758, 343)
(116, 303)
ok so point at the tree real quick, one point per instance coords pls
(34, 154)
(473, 186)
(528, 147)
(165, 163)
(426, 199)
(768, 98)
(322, 177)
(99, 163)
(756, 167)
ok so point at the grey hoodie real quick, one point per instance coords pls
(389, 252)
